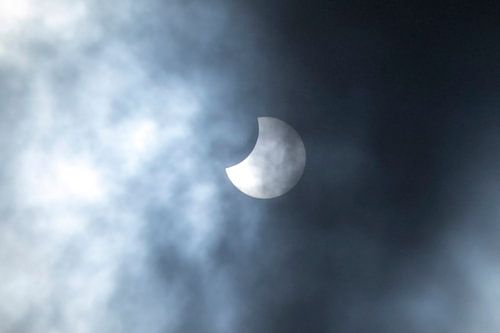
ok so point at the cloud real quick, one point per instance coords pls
(118, 119)
(107, 174)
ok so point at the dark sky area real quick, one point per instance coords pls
(391, 98)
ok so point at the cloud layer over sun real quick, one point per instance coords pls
(118, 119)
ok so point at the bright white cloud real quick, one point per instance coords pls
(100, 141)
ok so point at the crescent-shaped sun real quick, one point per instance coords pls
(275, 164)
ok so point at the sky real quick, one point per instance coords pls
(118, 119)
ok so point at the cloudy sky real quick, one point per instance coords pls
(118, 119)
